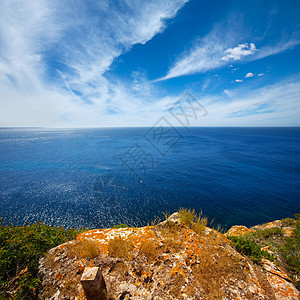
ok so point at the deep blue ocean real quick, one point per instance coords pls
(102, 177)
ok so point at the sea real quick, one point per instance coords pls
(100, 177)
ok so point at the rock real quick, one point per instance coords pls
(93, 284)
(280, 282)
(168, 261)
(276, 223)
(173, 219)
(238, 230)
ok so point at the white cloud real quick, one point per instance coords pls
(254, 107)
(249, 75)
(221, 47)
(261, 74)
(239, 80)
(276, 49)
(208, 54)
(86, 45)
(203, 56)
(85, 42)
(238, 52)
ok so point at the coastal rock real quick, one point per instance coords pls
(166, 261)
(241, 229)
(277, 223)
(280, 282)
(238, 230)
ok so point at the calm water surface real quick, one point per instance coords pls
(102, 177)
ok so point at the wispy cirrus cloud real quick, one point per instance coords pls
(205, 55)
(54, 57)
(255, 107)
(219, 48)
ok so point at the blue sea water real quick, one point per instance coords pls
(102, 177)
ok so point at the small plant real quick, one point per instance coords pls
(83, 249)
(155, 222)
(187, 216)
(149, 249)
(290, 251)
(120, 226)
(199, 224)
(191, 219)
(172, 238)
(70, 285)
(269, 232)
(167, 216)
(248, 247)
(20, 250)
(288, 222)
(119, 247)
(216, 267)
(49, 261)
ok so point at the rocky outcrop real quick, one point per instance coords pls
(166, 261)
(238, 230)
(242, 230)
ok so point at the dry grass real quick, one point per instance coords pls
(172, 238)
(172, 245)
(187, 216)
(49, 261)
(48, 290)
(70, 285)
(83, 249)
(168, 222)
(149, 249)
(216, 267)
(119, 247)
(155, 222)
(176, 285)
(199, 224)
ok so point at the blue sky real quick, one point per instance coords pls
(124, 63)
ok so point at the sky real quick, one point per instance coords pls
(85, 63)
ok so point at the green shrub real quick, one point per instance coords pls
(269, 232)
(20, 249)
(120, 226)
(248, 247)
(290, 251)
(288, 222)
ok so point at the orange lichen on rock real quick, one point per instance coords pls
(287, 231)
(238, 230)
(58, 276)
(272, 268)
(170, 261)
(282, 288)
(276, 223)
(102, 236)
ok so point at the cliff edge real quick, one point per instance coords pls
(179, 258)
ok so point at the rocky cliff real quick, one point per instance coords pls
(169, 260)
